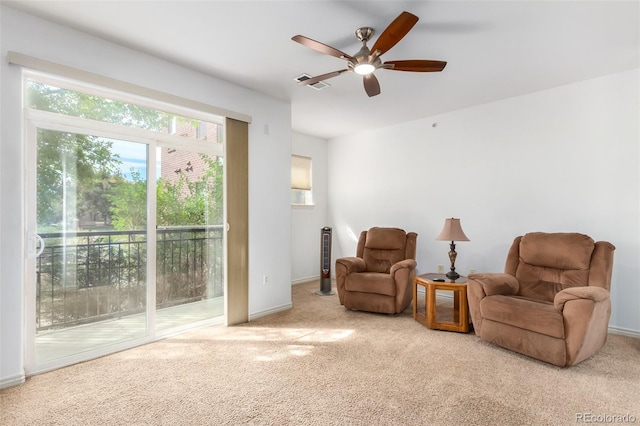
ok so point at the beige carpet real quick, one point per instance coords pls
(319, 364)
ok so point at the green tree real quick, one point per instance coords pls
(185, 202)
(68, 164)
(128, 203)
(74, 168)
(81, 173)
(213, 179)
(77, 104)
(95, 196)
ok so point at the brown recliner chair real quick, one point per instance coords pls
(552, 301)
(379, 278)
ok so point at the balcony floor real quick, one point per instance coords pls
(56, 344)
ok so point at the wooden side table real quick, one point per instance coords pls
(430, 317)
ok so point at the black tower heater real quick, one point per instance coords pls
(325, 262)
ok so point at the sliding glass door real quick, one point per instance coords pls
(89, 227)
(124, 226)
(189, 247)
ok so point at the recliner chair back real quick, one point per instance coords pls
(547, 263)
(382, 247)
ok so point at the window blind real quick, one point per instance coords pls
(300, 172)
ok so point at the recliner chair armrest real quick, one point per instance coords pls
(495, 283)
(480, 286)
(407, 263)
(352, 264)
(402, 273)
(593, 293)
(585, 312)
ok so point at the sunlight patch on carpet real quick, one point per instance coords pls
(289, 350)
(271, 334)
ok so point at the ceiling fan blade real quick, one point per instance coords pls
(371, 85)
(395, 32)
(320, 47)
(318, 78)
(416, 65)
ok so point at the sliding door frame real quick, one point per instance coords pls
(48, 121)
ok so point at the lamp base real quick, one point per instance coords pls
(452, 275)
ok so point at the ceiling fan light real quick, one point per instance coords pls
(364, 69)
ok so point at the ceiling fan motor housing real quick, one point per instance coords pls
(364, 34)
(364, 56)
(365, 59)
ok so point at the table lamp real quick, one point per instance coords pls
(452, 231)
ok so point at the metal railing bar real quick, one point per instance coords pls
(105, 272)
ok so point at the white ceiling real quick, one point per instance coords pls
(494, 49)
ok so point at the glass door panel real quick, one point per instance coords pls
(91, 275)
(189, 248)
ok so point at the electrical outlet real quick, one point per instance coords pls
(472, 270)
(265, 280)
(441, 269)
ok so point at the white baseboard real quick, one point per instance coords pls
(624, 332)
(12, 381)
(255, 315)
(305, 280)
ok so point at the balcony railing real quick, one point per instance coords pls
(84, 277)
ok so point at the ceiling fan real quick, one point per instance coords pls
(366, 60)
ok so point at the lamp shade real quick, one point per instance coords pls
(452, 231)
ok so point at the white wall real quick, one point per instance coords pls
(561, 160)
(306, 222)
(269, 161)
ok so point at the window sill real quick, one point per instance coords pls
(302, 206)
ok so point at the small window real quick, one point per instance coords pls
(301, 181)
